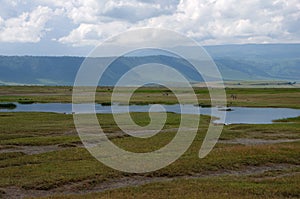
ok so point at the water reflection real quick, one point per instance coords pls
(234, 115)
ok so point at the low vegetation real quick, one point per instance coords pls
(210, 187)
(61, 167)
(246, 97)
(7, 106)
(25, 101)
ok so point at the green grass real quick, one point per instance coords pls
(262, 131)
(32, 124)
(76, 164)
(34, 129)
(250, 97)
(213, 187)
(4, 156)
(25, 101)
(73, 164)
(293, 120)
(40, 140)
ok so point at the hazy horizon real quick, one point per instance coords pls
(58, 28)
(86, 53)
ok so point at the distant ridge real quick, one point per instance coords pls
(235, 62)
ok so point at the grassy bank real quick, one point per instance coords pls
(69, 168)
(251, 97)
(211, 187)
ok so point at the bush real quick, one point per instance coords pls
(8, 106)
(25, 101)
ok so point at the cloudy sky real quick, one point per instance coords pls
(74, 27)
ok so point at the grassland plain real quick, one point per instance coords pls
(250, 97)
(41, 155)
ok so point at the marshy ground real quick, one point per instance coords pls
(41, 154)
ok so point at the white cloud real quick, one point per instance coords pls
(233, 21)
(91, 34)
(27, 27)
(207, 21)
(134, 10)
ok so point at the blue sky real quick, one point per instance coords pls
(75, 27)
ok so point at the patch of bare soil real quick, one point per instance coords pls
(85, 187)
(246, 141)
(31, 150)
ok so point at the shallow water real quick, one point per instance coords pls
(238, 115)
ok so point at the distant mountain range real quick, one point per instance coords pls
(235, 62)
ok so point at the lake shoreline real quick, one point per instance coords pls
(225, 115)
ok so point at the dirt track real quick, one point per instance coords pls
(83, 187)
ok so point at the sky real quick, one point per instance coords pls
(75, 27)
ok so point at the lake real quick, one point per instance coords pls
(238, 115)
